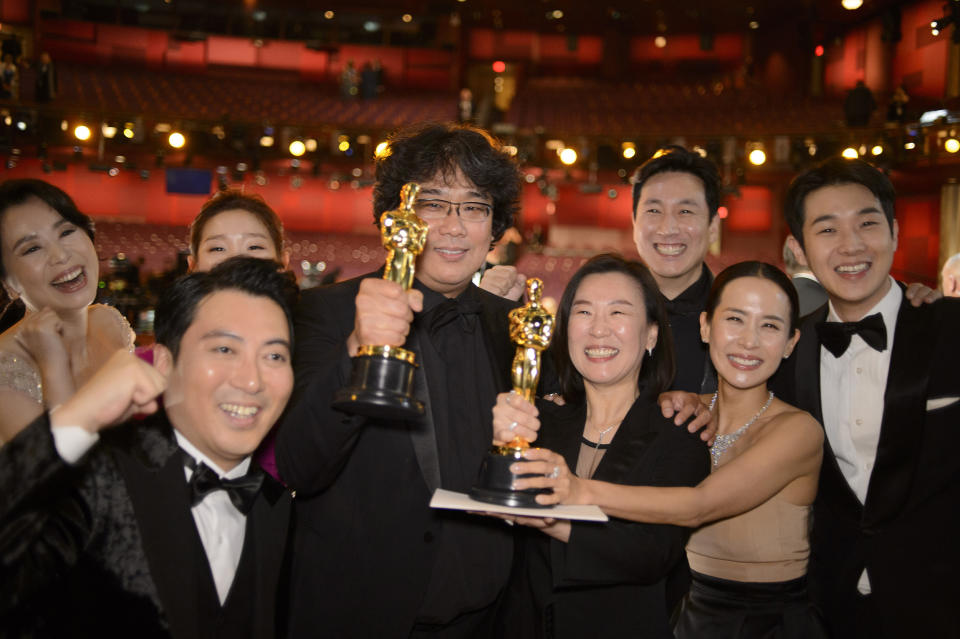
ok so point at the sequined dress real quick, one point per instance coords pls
(19, 374)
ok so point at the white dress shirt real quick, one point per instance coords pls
(221, 526)
(852, 389)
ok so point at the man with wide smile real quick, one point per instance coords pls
(371, 558)
(676, 194)
(158, 526)
(880, 375)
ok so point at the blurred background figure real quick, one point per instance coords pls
(951, 276)
(809, 290)
(859, 105)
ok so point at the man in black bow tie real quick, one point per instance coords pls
(158, 527)
(880, 375)
(371, 559)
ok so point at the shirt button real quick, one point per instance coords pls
(859, 370)
(859, 422)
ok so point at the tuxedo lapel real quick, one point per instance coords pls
(423, 434)
(904, 406)
(628, 445)
(171, 543)
(265, 544)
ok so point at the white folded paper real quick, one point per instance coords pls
(447, 499)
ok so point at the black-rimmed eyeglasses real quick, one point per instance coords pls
(439, 209)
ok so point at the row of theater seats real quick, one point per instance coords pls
(212, 97)
(584, 108)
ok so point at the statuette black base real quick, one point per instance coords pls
(493, 485)
(380, 387)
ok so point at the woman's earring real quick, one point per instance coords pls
(650, 351)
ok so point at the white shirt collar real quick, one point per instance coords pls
(888, 307)
(237, 471)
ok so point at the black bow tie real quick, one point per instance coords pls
(835, 336)
(449, 310)
(242, 491)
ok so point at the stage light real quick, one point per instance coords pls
(328, 14)
(343, 146)
(660, 42)
(722, 212)
(382, 151)
(108, 131)
(82, 132)
(128, 130)
(629, 150)
(499, 66)
(22, 125)
(877, 149)
(311, 144)
(64, 125)
(297, 148)
(406, 17)
(510, 150)
(851, 5)
(757, 157)
(266, 140)
(850, 153)
(951, 145)
(909, 146)
(568, 156)
(818, 51)
(176, 140)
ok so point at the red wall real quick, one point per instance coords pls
(752, 211)
(919, 59)
(726, 47)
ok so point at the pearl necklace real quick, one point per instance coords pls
(722, 442)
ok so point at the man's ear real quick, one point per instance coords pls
(896, 232)
(798, 253)
(285, 259)
(704, 328)
(162, 360)
(713, 230)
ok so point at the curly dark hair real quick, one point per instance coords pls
(420, 152)
(658, 369)
(836, 171)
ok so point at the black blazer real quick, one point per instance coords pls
(906, 533)
(609, 579)
(109, 547)
(364, 541)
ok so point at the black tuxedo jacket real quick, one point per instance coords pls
(364, 539)
(906, 533)
(609, 579)
(109, 547)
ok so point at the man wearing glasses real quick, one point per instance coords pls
(371, 559)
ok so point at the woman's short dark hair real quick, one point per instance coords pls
(762, 270)
(836, 172)
(658, 369)
(232, 199)
(177, 306)
(17, 192)
(676, 159)
(420, 152)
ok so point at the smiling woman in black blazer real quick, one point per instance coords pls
(614, 355)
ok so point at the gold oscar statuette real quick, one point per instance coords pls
(531, 329)
(381, 383)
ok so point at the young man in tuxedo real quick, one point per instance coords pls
(158, 527)
(880, 374)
